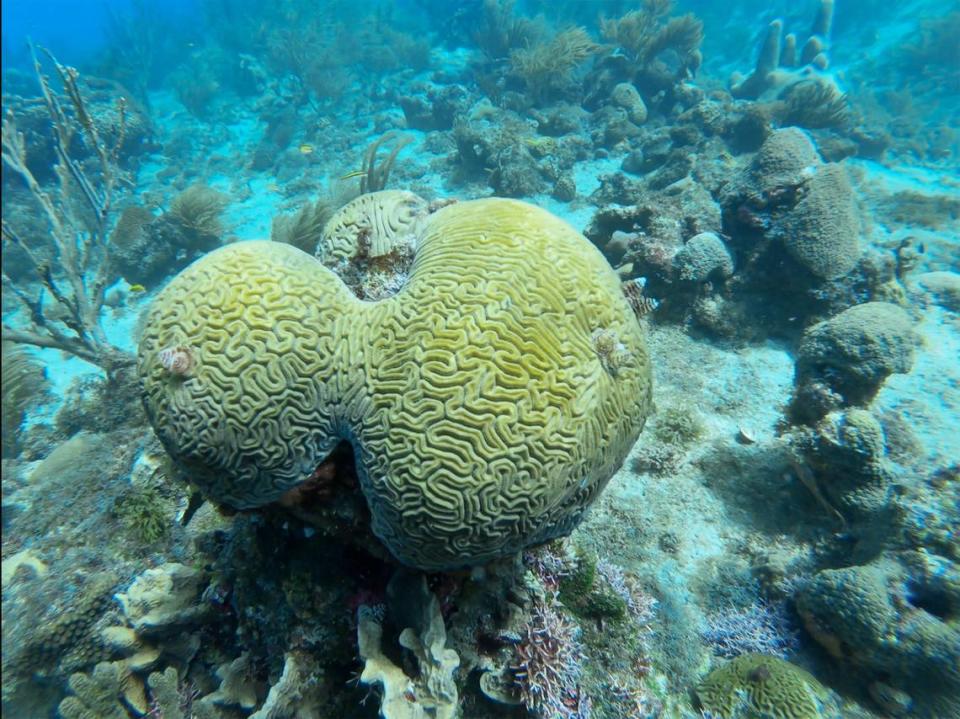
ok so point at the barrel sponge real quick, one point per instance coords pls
(484, 410)
(759, 685)
(822, 231)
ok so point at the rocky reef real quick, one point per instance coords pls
(600, 363)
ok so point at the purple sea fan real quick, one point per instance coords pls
(549, 665)
(759, 628)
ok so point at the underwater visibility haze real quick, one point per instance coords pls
(494, 359)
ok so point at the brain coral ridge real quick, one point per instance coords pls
(482, 416)
(759, 686)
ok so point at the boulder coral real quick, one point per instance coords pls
(822, 231)
(783, 159)
(703, 256)
(851, 355)
(847, 450)
(897, 619)
(481, 413)
(760, 685)
(790, 195)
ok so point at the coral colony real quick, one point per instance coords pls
(487, 359)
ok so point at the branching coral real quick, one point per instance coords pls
(195, 212)
(549, 663)
(171, 698)
(760, 628)
(547, 66)
(78, 211)
(98, 695)
(433, 690)
(644, 34)
(777, 62)
(61, 639)
(300, 692)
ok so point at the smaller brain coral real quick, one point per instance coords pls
(372, 225)
(822, 230)
(758, 685)
(854, 352)
(703, 256)
(370, 242)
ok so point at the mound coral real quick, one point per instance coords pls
(821, 232)
(482, 418)
(897, 618)
(790, 195)
(853, 353)
(847, 450)
(704, 255)
(782, 160)
(758, 685)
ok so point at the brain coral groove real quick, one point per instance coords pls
(481, 415)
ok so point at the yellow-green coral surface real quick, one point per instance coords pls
(759, 686)
(482, 415)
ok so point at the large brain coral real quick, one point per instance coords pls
(488, 402)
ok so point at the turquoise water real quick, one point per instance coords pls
(481, 359)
